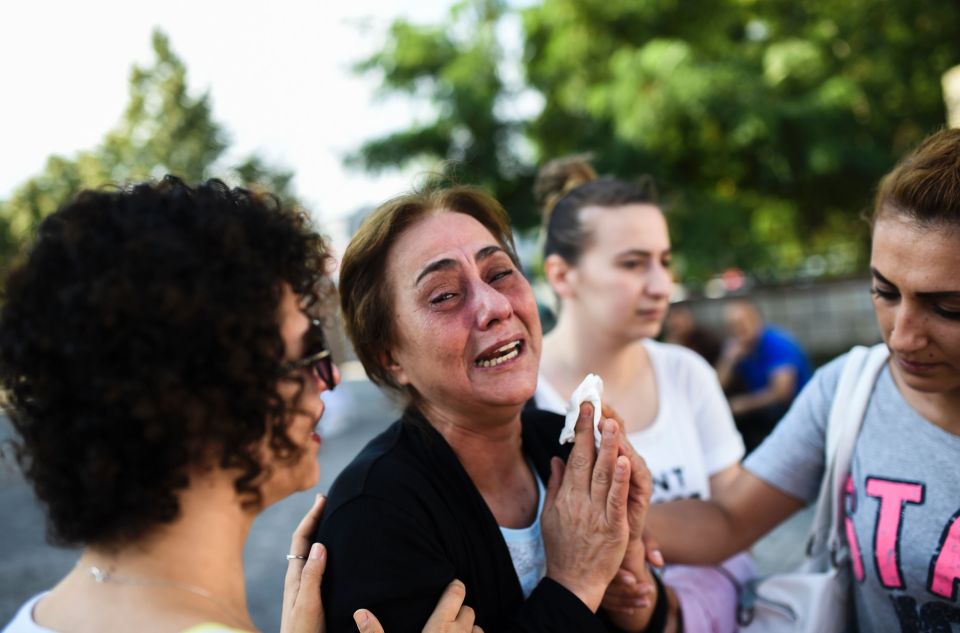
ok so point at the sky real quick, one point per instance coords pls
(278, 75)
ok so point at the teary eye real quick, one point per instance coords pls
(440, 298)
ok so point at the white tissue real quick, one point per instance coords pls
(590, 391)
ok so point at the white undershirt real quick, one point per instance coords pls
(526, 547)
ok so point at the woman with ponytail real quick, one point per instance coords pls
(607, 258)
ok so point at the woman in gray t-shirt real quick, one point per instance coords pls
(902, 504)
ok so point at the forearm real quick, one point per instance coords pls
(749, 402)
(696, 532)
(779, 391)
(725, 367)
(706, 532)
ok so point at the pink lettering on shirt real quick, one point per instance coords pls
(856, 558)
(945, 566)
(893, 496)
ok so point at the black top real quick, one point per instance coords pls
(404, 519)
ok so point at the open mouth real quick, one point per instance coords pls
(500, 355)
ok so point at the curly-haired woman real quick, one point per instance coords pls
(164, 378)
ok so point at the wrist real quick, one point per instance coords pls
(635, 558)
(661, 608)
(588, 595)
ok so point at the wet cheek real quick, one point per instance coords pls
(522, 298)
(435, 341)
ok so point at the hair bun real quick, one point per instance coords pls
(559, 176)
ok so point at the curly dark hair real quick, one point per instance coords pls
(139, 339)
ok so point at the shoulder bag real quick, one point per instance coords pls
(816, 597)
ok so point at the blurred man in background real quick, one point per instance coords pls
(761, 368)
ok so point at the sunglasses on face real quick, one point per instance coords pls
(316, 356)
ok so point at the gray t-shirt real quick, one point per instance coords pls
(902, 502)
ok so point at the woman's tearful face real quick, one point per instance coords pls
(468, 333)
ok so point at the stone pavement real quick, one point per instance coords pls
(356, 412)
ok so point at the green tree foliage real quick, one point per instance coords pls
(455, 66)
(163, 130)
(768, 123)
(765, 124)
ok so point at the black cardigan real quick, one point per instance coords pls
(404, 519)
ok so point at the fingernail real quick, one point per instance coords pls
(361, 617)
(621, 469)
(316, 551)
(608, 428)
(657, 557)
(642, 603)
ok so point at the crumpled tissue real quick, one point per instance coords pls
(590, 391)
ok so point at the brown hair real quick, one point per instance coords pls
(365, 296)
(559, 176)
(565, 186)
(925, 185)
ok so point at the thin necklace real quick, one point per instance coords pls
(102, 576)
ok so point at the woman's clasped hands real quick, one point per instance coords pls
(594, 510)
(632, 595)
